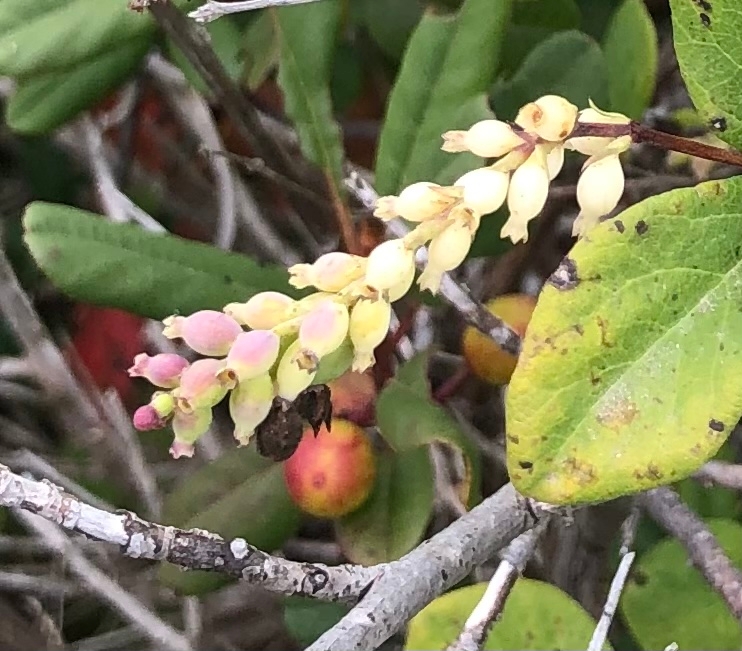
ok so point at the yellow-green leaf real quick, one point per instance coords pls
(629, 375)
(709, 50)
(536, 616)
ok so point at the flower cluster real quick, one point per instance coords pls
(274, 346)
(530, 154)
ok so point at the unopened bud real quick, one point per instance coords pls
(188, 428)
(401, 288)
(487, 139)
(388, 264)
(201, 385)
(417, 202)
(321, 332)
(369, 325)
(208, 332)
(485, 189)
(262, 312)
(596, 145)
(155, 414)
(162, 370)
(550, 117)
(446, 252)
(252, 353)
(330, 272)
(249, 404)
(291, 380)
(599, 190)
(555, 161)
(529, 189)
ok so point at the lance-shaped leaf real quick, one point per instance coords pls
(450, 61)
(629, 375)
(307, 36)
(707, 44)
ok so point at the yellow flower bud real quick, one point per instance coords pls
(529, 189)
(388, 264)
(262, 312)
(595, 145)
(599, 190)
(330, 272)
(290, 379)
(417, 202)
(446, 252)
(249, 404)
(485, 189)
(369, 324)
(488, 139)
(550, 117)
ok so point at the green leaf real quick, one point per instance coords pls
(569, 64)
(120, 265)
(710, 61)
(390, 23)
(394, 518)
(307, 35)
(228, 41)
(536, 616)
(14, 13)
(667, 600)
(533, 22)
(450, 60)
(73, 33)
(306, 619)
(42, 103)
(239, 495)
(628, 377)
(630, 49)
(261, 49)
(408, 418)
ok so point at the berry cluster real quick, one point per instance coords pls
(273, 346)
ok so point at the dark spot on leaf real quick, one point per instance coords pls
(704, 4)
(705, 20)
(639, 577)
(721, 346)
(674, 297)
(594, 379)
(716, 425)
(565, 351)
(513, 439)
(720, 124)
(641, 227)
(653, 472)
(526, 465)
(578, 329)
(620, 227)
(228, 279)
(603, 325)
(737, 251)
(696, 450)
(565, 277)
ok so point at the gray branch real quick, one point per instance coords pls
(611, 603)
(728, 475)
(704, 551)
(214, 9)
(404, 587)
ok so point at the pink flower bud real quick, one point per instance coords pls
(291, 379)
(208, 332)
(252, 353)
(389, 263)
(262, 312)
(331, 272)
(369, 325)
(188, 428)
(488, 139)
(249, 404)
(200, 385)
(321, 332)
(155, 414)
(162, 370)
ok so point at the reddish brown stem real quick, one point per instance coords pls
(451, 386)
(640, 133)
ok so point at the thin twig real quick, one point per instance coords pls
(704, 551)
(513, 561)
(611, 604)
(629, 528)
(721, 473)
(106, 588)
(42, 586)
(473, 312)
(214, 9)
